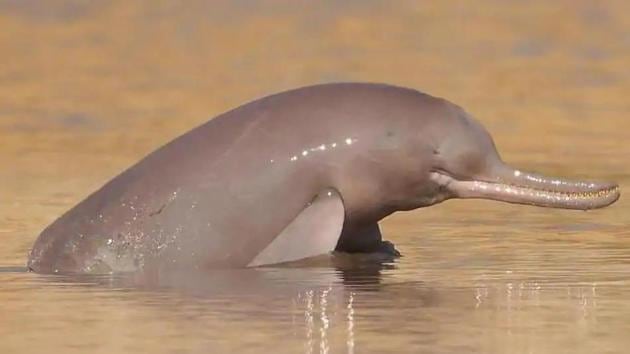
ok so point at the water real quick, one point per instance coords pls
(86, 89)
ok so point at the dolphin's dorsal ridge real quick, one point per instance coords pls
(315, 231)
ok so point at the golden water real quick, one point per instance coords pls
(88, 88)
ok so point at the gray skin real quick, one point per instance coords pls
(218, 195)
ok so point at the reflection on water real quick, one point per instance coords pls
(312, 310)
(87, 88)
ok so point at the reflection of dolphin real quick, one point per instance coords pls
(310, 309)
(290, 176)
(314, 274)
(341, 271)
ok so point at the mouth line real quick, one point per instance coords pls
(555, 193)
(516, 189)
(489, 185)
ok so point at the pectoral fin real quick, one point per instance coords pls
(313, 232)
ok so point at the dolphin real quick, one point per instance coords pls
(291, 176)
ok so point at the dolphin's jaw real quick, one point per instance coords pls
(531, 189)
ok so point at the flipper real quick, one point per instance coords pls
(313, 232)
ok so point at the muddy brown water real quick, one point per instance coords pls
(88, 88)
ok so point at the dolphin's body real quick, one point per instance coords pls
(290, 176)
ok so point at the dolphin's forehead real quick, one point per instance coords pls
(462, 146)
(453, 127)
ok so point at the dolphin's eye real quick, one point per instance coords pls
(388, 141)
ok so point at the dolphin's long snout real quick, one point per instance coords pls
(514, 186)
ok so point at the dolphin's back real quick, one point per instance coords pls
(201, 192)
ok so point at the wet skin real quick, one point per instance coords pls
(292, 175)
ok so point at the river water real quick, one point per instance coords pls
(88, 88)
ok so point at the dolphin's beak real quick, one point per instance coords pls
(514, 186)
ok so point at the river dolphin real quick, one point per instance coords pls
(290, 176)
